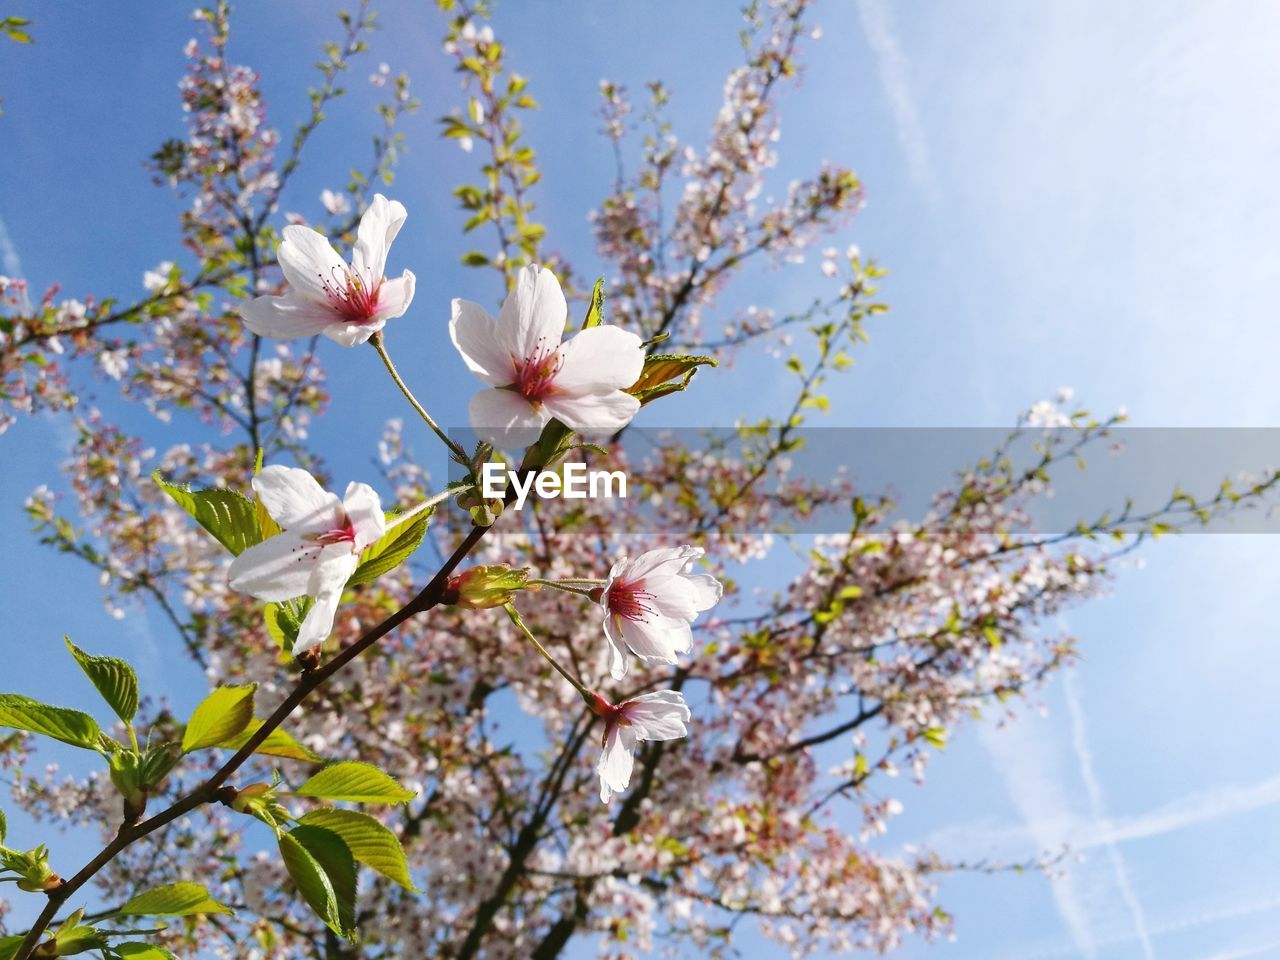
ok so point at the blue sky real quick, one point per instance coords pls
(1067, 193)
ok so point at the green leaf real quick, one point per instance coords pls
(284, 620)
(278, 744)
(69, 726)
(231, 518)
(369, 841)
(666, 374)
(324, 872)
(173, 900)
(143, 951)
(595, 311)
(9, 947)
(220, 716)
(355, 782)
(4, 828)
(394, 547)
(113, 678)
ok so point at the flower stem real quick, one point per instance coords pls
(381, 347)
(426, 504)
(514, 614)
(565, 585)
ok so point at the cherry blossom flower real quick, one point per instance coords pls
(533, 375)
(649, 602)
(661, 715)
(348, 304)
(318, 550)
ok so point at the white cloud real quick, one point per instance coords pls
(9, 259)
(1097, 810)
(891, 63)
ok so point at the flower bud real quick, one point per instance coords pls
(483, 587)
(34, 875)
(257, 800)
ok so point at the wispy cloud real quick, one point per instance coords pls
(9, 259)
(891, 63)
(1036, 790)
(1198, 807)
(1097, 810)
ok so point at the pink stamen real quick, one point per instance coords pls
(344, 534)
(629, 600)
(535, 375)
(351, 294)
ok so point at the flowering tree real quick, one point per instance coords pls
(397, 819)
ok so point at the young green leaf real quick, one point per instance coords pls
(284, 620)
(143, 951)
(231, 518)
(9, 947)
(113, 678)
(324, 872)
(4, 828)
(69, 726)
(595, 311)
(395, 546)
(371, 843)
(278, 744)
(355, 782)
(665, 374)
(173, 900)
(221, 716)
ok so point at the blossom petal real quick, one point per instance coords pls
(364, 510)
(599, 360)
(656, 639)
(616, 762)
(353, 334)
(596, 413)
(309, 262)
(379, 225)
(533, 317)
(328, 580)
(707, 591)
(296, 501)
(505, 418)
(661, 715)
(617, 647)
(662, 562)
(394, 297)
(284, 318)
(475, 335)
(277, 569)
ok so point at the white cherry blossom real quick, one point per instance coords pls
(649, 602)
(661, 715)
(534, 376)
(348, 303)
(318, 550)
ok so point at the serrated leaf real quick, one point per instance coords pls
(324, 872)
(666, 374)
(143, 951)
(391, 550)
(230, 517)
(173, 900)
(69, 726)
(355, 782)
(278, 744)
(113, 678)
(284, 621)
(221, 716)
(369, 841)
(4, 828)
(595, 310)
